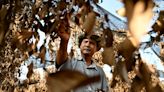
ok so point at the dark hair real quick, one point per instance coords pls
(95, 38)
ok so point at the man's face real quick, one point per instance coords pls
(88, 47)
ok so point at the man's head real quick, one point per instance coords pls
(89, 44)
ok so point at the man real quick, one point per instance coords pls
(88, 45)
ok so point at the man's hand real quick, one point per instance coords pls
(63, 32)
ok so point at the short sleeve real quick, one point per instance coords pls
(104, 85)
(67, 65)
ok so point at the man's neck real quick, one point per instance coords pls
(88, 59)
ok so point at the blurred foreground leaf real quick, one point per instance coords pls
(64, 81)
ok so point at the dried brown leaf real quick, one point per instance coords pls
(108, 36)
(3, 25)
(122, 71)
(95, 1)
(159, 25)
(137, 85)
(65, 81)
(146, 77)
(126, 49)
(24, 35)
(139, 14)
(43, 11)
(21, 39)
(2, 32)
(89, 22)
(121, 12)
(78, 2)
(30, 70)
(42, 53)
(18, 5)
(3, 12)
(108, 56)
(80, 17)
(161, 49)
(62, 5)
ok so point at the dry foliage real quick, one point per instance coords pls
(24, 24)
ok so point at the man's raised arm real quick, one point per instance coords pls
(62, 54)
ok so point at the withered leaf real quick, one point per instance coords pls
(35, 9)
(158, 26)
(139, 14)
(126, 49)
(108, 56)
(78, 2)
(162, 49)
(3, 12)
(80, 17)
(1, 33)
(21, 39)
(89, 22)
(43, 12)
(42, 53)
(146, 77)
(18, 5)
(62, 5)
(95, 1)
(122, 71)
(30, 70)
(3, 23)
(121, 12)
(65, 81)
(136, 85)
(108, 36)
(131, 4)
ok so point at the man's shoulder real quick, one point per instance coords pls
(100, 69)
(70, 62)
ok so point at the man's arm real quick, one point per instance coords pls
(62, 54)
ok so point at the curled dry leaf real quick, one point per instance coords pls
(125, 46)
(146, 77)
(38, 3)
(3, 23)
(67, 80)
(78, 2)
(122, 71)
(108, 36)
(159, 24)
(126, 49)
(62, 5)
(139, 14)
(89, 22)
(130, 5)
(121, 12)
(21, 39)
(108, 56)
(42, 13)
(18, 5)
(162, 49)
(80, 17)
(136, 85)
(42, 53)
(95, 1)
(3, 12)
(30, 70)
